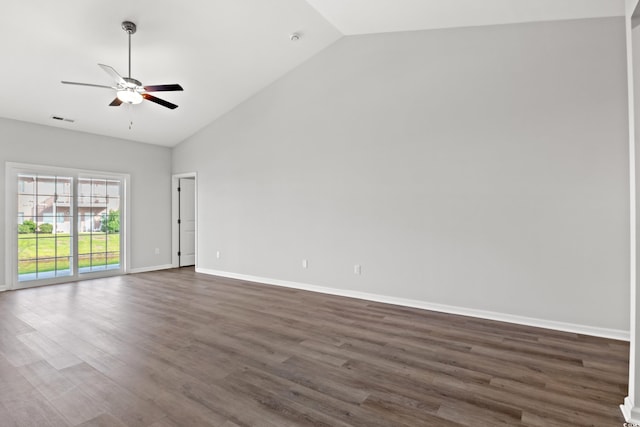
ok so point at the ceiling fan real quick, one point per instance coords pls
(129, 90)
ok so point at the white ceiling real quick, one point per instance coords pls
(221, 51)
(380, 16)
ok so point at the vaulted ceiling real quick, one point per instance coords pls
(221, 51)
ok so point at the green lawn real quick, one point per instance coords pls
(51, 249)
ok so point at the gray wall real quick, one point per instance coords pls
(481, 167)
(148, 165)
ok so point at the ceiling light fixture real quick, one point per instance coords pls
(294, 37)
(129, 96)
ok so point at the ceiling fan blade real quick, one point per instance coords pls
(115, 103)
(159, 101)
(163, 88)
(88, 84)
(113, 73)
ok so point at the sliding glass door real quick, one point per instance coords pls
(70, 224)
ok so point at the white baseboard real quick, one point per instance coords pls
(631, 414)
(147, 269)
(463, 311)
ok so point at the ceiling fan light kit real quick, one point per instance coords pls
(129, 90)
(129, 96)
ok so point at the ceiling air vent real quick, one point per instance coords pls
(62, 119)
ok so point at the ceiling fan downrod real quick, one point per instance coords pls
(130, 28)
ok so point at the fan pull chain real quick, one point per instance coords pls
(130, 111)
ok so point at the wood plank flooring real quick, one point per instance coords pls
(177, 348)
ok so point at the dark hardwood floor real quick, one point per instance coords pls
(177, 348)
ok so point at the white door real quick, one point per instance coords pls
(187, 221)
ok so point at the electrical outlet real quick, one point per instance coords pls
(357, 269)
(157, 251)
(305, 264)
(218, 254)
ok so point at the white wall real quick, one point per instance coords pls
(149, 167)
(481, 167)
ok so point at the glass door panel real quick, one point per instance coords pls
(44, 233)
(99, 224)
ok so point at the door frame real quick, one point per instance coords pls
(12, 169)
(175, 208)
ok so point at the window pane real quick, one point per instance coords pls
(45, 205)
(84, 221)
(83, 201)
(27, 247)
(26, 225)
(99, 201)
(113, 260)
(26, 204)
(99, 214)
(26, 184)
(113, 204)
(98, 242)
(63, 186)
(113, 242)
(98, 259)
(27, 270)
(111, 222)
(84, 192)
(84, 243)
(99, 187)
(63, 223)
(63, 245)
(46, 185)
(46, 247)
(63, 266)
(84, 262)
(88, 221)
(113, 189)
